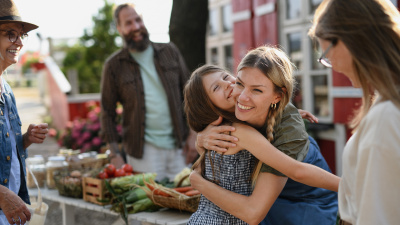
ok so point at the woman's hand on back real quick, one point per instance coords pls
(216, 138)
(196, 178)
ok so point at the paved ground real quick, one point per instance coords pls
(32, 110)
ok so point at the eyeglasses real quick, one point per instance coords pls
(325, 61)
(13, 35)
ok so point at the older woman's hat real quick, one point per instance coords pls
(9, 14)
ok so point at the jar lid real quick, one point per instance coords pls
(56, 158)
(84, 155)
(34, 160)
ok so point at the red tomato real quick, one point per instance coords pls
(103, 175)
(110, 170)
(127, 168)
(128, 174)
(119, 173)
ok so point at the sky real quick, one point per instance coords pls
(59, 19)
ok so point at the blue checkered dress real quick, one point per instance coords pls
(233, 173)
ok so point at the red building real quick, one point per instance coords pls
(236, 26)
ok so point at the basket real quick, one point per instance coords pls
(68, 186)
(183, 203)
(87, 164)
(94, 190)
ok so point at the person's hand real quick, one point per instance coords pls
(195, 178)
(13, 207)
(35, 134)
(117, 161)
(308, 116)
(214, 137)
(189, 150)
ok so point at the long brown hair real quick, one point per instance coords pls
(276, 66)
(199, 109)
(370, 29)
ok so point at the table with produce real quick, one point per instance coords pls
(91, 179)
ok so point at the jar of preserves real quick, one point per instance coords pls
(54, 163)
(37, 166)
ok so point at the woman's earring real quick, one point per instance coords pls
(273, 106)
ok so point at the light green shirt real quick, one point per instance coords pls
(158, 123)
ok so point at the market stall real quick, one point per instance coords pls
(162, 217)
(95, 185)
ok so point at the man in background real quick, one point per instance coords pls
(147, 79)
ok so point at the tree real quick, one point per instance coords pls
(89, 55)
(187, 30)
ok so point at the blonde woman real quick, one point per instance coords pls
(361, 39)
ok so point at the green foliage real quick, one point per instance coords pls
(28, 64)
(89, 55)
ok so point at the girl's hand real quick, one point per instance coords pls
(308, 116)
(215, 137)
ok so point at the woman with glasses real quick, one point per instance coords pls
(361, 39)
(13, 152)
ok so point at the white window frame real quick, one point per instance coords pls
(221, 39)
(302, 25)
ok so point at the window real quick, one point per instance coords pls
(319, 83)
(219, 41)
(293, 9)
(295, 52)
(312, 92)
(213, 22)
(320, 95)
(227, 23)
(228, 57)
(214, 56)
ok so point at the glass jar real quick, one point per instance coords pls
(54, 163)
(37, 166)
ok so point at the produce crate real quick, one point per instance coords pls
(94, 189)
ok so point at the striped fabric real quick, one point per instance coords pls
(233, 173)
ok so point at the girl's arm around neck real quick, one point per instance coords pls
(251, 209)
(253, 141)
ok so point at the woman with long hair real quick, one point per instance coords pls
(361, 39)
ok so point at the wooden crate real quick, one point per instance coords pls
(94, 189)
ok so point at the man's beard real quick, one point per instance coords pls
(137, 45)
